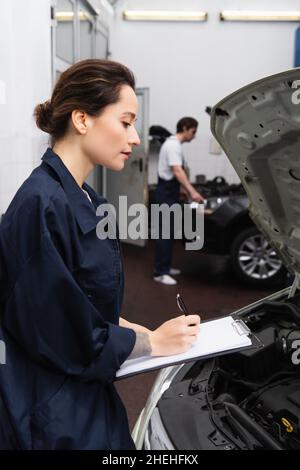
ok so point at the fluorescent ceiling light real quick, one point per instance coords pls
(69, 16)
(244, 15)
(160, 15)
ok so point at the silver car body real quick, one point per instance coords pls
(258, 127)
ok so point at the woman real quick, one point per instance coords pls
(62, 287)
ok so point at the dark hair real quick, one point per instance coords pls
(186, 123)
(89, 85)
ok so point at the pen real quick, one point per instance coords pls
(181, 304)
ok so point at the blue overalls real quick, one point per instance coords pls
(167, 192)
(61, 291)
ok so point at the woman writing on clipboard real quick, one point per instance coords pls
(62, 287)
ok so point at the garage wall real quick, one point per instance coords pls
(188, 66)
(25, 79)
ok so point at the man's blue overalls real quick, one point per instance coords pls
(167, 192)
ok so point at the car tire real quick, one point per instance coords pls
(254, 261)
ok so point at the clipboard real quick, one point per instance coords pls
(234, 326)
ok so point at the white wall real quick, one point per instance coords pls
(25, 72)
(188, 66)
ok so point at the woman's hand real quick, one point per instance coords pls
(175, 336)
(134, 326)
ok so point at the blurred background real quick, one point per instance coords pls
(186, 56)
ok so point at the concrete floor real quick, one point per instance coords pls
(207, 285)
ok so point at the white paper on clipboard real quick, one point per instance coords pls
(215, 337)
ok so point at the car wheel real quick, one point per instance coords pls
(254, 260)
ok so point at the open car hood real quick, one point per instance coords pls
(258, 127)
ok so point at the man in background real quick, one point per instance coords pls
(172, 175)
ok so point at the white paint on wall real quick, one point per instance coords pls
(189, 66)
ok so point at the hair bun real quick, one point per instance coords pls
(43, 116)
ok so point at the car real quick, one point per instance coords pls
(248, 399)
(229, 231)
